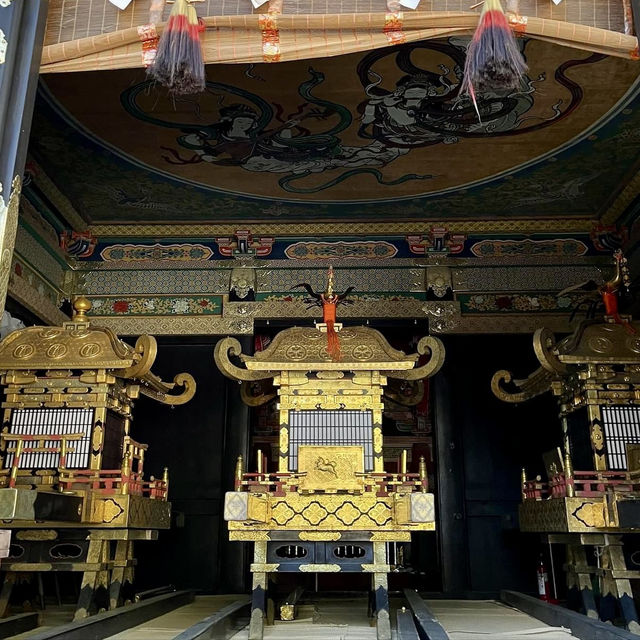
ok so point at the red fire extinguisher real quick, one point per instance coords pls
(543, 581)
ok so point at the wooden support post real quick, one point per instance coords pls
(383, 622)
(5, 593)
(121, 559)
(617, 588)
(380, 591)
(91, 580)
(582, 579)
(258, 606)
(259, 590)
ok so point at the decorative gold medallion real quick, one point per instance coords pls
(296, 352)
(24, 351)
(362, 352)
(90, 350)
(49, 333)
(600, 344)
(57, 351)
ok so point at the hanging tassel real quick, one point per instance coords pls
(178, 64)
(333, 342)
(494, 61)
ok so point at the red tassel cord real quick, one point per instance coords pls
(494, 61)
(178, 65)
(610, 300)
(329, 318)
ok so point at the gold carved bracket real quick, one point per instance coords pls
(429, 345)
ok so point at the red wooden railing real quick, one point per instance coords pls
(380, 483)
(585, 484)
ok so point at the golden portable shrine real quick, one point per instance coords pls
(330, 506)
(73, 491)
(591, 496)
(192, 168)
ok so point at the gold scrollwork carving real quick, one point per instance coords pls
(319, 536)
(320, 568)
(391, 536)
(264, 567)
(249, 536)
(9, 236)
(376, 568)
(37, 534)
(377, 440)
(538, 382)
(284, 440)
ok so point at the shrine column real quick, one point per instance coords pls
(22, 26)
(450, 483)
(232, 559)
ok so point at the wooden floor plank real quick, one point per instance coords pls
(484, 619)
(171, 624)
(326, 619)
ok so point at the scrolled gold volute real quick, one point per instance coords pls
(232, 346)
(428, 345)
(544, 346)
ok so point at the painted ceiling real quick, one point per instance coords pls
(383, 135)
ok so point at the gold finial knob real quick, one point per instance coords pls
(80, 307)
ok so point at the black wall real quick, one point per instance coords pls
(481, 445)
(199, 442)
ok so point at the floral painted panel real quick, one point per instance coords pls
(157, 306)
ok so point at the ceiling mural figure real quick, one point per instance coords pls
(242, 137)
(421, 108)
(377, 135)
(425, 107)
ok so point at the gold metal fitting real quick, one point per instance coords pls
(81, 306)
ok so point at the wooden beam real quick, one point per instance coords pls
(405, 626)
(13, 625)
(428, 626)
(580, 625)
(221, 625)
(109, 623)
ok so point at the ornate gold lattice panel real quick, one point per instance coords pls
(337, 512)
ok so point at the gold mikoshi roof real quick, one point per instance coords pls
(79, 345)
(72, 346)
(305, 349)
(606, 342)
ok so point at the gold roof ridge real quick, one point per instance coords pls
(304, 349)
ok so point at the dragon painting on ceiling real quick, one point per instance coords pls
(421, 107)
(369, 136)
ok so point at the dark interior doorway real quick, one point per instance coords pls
(479, 444)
